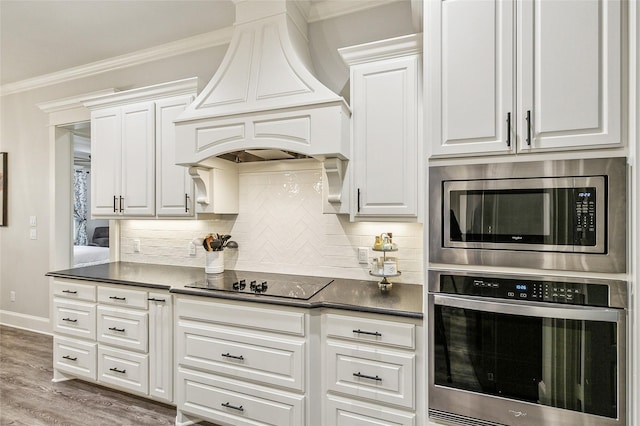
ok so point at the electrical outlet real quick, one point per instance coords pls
(136, 246)
(192, 249)
(33, 221)
(363, 255)
(12, 296)
(33, 233)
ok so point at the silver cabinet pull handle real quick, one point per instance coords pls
(529, 127)
(228, 355)
(364, 376)
(227, 405)
(509, 129)
(369, 333)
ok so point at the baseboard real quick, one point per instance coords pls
(25, 322)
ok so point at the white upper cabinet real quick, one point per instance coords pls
(385, 88)
(106, 173)
(138, 160)
(174, 192)
(569, 56)
(509, 76)
(133, 152)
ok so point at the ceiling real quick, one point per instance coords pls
(39, 37)
(44, 37)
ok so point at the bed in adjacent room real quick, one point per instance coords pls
(90, 255)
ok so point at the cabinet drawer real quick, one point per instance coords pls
(236, 315)
(272, 360)
(122, 297)
(127, 329)
(75, 357)
(124, 369)
(370, 330)
(375, 374)
(228, 401)
(76, 291)
(346, 412)
(74, 318)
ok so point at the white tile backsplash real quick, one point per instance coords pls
(280, 228)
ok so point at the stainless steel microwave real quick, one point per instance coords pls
(557, 214)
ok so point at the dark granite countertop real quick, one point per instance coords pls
(353, 295)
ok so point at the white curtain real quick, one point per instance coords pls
(80, 207)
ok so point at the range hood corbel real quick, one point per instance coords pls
(264, 96)
(334, 169)
(216, 187)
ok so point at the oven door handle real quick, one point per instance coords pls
(528, 309)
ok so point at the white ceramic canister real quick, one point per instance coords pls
(390, 267)
(214, 262)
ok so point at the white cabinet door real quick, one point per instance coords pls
(138, 159)
(471, 70)
(105, 162)
(385, 109)
(161, 346)
(558, 88)
(174, 194)
(569, 56)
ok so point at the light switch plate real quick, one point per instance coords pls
(136, 246)
(363, 255)
(33, 234)
(33, 221)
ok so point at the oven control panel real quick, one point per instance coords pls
(523, 289)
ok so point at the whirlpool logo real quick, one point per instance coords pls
(515, 413)
(516, 237)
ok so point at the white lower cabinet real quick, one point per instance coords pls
(347, 412)
(372, 370)
(240, 363)
(120, 337)
(125, 369)
(236, 402)
(75, 357)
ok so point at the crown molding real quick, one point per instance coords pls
(179, 47)
(319, 11)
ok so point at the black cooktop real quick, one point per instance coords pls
(262, 283)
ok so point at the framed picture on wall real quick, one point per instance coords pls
(3, 189)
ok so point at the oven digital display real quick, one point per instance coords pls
(522, 287)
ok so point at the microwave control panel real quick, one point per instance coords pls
(530, 290)
(585, 216)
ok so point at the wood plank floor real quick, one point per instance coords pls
(29, 397)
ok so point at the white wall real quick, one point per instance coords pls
(280, 228)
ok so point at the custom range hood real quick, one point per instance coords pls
(264, 99)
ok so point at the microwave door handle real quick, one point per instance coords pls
(529, 309)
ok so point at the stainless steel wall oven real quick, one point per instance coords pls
(526, 350)
(560, 214)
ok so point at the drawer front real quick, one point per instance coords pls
(345, 412)
(74, 318)
(122, 297)
(124, 369)
(74, 290)
(75, 357)
(379, 375)
(218, 399)
(261, 357)
(126, 329)
(370, 330)
(237, 315)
